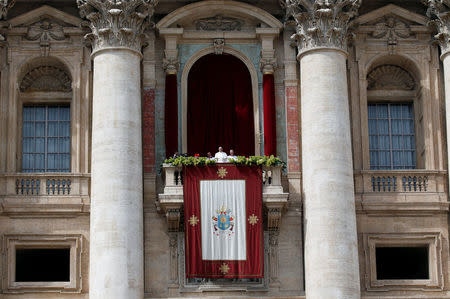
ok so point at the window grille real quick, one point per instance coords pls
(46, 138)
(391, 136)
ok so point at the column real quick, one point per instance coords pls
(439, 14)
(116, 264)
(331, 248)
(268, 63)
(171, 65)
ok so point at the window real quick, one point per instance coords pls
(42, 264)
(391, 136)
(402, 262)
(46, 138)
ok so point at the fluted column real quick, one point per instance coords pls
(439, 13)
(331, 251)
(116, 264)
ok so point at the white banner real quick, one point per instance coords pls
(223, 223)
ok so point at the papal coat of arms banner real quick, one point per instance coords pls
(223, 221)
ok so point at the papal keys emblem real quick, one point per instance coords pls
(224, 220)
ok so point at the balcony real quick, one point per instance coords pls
(50, 194)
(171, 201)
(409, 191)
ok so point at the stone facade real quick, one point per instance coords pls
(121, 213)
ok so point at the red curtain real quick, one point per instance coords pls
(253, 266)
(171, 115)
(220, 106)
(270, 133)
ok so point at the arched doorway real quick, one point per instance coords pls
(220, 107)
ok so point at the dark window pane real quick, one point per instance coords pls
(402, 263)
(43, 264)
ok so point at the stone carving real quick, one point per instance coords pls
(218, 23)
(268, 65)
(173, 248)
(5, 6)
(173, 219)
(321, 23)
(273, 219)
(219, 43)
(390, 77)
(391, 28)
(273, 258)
(439, 14)
(46, 78)
(171, 65)
(117, 23)
(45, 31)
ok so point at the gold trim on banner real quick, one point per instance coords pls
(193, 220)
(253, 219)
(224, 268)
(222, 172)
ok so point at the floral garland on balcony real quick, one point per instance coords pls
(196, 160)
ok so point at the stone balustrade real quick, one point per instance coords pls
(171, 201)
(400, 181)
(31, 193)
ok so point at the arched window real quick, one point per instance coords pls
(391, 118)
(45, 91)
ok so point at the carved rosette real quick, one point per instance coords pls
(439, 14)
(321, 23)
(117, 23)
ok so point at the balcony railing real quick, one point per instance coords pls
(31, 193)
(400, 181)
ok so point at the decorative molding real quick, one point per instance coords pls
(321, 24)
(273, 219)
(5, 6)
(439, 14)
(46, 78)
(390, 77)
(218, 23)
(117, 24)
(391, 28)
(219, 43)
(45, 31)
(273, 259)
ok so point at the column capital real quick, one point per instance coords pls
(117, 24)
(439, 14)
(321, 23)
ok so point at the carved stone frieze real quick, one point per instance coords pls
(273, 258)
(46, 78)
(218, 43)
(117, 24)
(5, 6)
(173, 248)
(321, 23)
(218, 23)
(391, 29)
(439, 14)
(390, 77)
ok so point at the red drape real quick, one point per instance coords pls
(220, 106)
(171, 115)
(270, 133)
(252, 267)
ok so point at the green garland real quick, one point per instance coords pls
(240, 161)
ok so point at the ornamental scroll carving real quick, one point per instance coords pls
(439, 14)
(117, 24)
(321, 23)
(46, 78)
(218, 23)
(390, 77)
